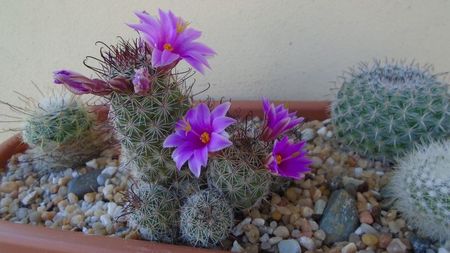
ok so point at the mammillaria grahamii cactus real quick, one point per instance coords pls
(382, 110)
(421, 185)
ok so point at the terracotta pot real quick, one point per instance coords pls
(26, 238)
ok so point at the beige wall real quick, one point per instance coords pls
(280, 49)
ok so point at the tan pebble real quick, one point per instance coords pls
(71, 208)
(384, 240)
(284, 210)
(251, 232)
(118, 197)
(276, 199)
(89, 197)
(254, 213)
(62, 204)
(391, 215)
(30, 180)
(370, 240)
(133, 235)
(305, 202)
(282, 232)
(66, 227)
(8, 187)
(365, 217)
(54, 188)
(64, 180)
(276, 215)
(47, 215)
(294, 217)
(349, 248)
(291, 194)
(307, 212)
(305, 184)
(72, 198)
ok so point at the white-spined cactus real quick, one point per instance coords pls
(382, 110)
(421, 185)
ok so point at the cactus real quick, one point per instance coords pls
(206, 219)
(155, 212)
(421, 185)
(61, 133)
(240, 175)
(382, 110)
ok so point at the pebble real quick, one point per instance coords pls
(289, 246)
(89, 197)
(370, 240)
(396, 246)
(237, 247)
(84, 183)
(281, 231)
(92, 164)
(322, 131)
(238, 229)
(365, 228)
(73, 199)
(420, 245)
(109, 171)
(30, 197)
(258, 222)
(365, 217)
(308, 134)
(307, 242)
(275, 240)
(77, 220)
(319, 206)
(8, 187)
(320, 235)
(307, 212)
(340, 217)
(442, 250)
(106, 220)
(252, 233)
(264, 238)
(349, 248)
(357, 172)
(384, 240)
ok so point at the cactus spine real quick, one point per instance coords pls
(421, 185)
(382, 110)
(206, 219)
(155, 212)
(61, 133)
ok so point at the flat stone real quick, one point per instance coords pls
(289, 246)
(84, 183)
(340, 217)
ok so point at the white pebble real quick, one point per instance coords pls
(322, 131)
(289, 246)
(307, 242)
(237, 247)
(238, 229)
(358, 171)
(108, 189)
(258, 222)
(308, 134)
(109, 171)
(92, 163)
(328, 135)
(442, 250)
(106, 220)
(264, 238)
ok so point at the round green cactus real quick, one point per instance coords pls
(206, 219)
(61, 133)
(156, 213)
(421, 185)
(239, 174)
(382, 110)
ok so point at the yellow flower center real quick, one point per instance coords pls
(278, 158)
(188, 127)
(181, 25)
(168, 47)
(205, 138)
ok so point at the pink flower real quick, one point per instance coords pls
(141, 81)
(288, 159)
(199, 133)
(172, 40)
(277, 120)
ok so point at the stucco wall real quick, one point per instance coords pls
(280, 49)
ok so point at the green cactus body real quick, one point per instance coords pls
(382, 110)
(142, 124)
(61, 133)
(156, 213)
(421, 185)
(240, 176)
(205, 219)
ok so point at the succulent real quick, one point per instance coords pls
(382, 110)
(62, 133)
(240, 175)
(206, 219)
(421, 185)
(155, 212)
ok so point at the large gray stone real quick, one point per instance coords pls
(289, 246)
(340, 217)
(84, 183)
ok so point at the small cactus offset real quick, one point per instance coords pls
(62, 133)
(240, 176)
(421, 185)
(205, 219)
(154, 212)
(382, 110)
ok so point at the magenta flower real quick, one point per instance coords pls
(171, 40)
(288, 159)
(79, 84)
(277, 120)
(199, 133)
(141, 81)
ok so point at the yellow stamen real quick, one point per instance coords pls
(168, 47)
(188, 127)
(181, 25)
(205, 138)
(278, 158)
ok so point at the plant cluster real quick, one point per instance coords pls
(161, 131)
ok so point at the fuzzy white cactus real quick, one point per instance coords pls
(421, 185)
